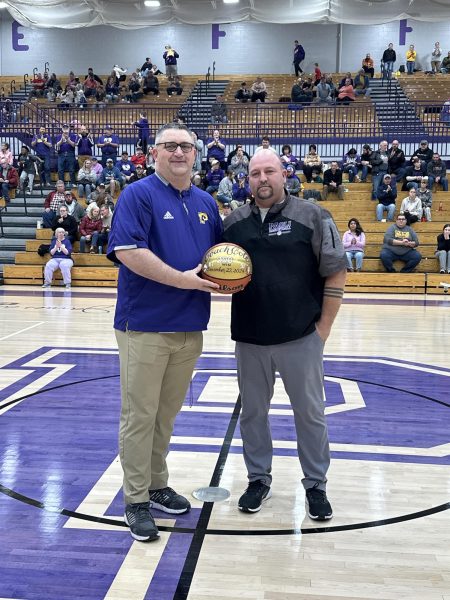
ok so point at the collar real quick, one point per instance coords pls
(168, 184)
(275, 208)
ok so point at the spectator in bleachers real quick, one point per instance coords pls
(96, 166)
(293, 184)
(362, 84)
(149, 161)
(135, 92)
(170, 57)
(298, 95)
(367, 65)
(65, 98)
(436, 58)
(52, 203)
(42, 145)
(112, 92)
(197, 180)
(90, 228)
(91, 73)
(424, 152)
(366, 165)
(387, 62)
(324, 91)
(215, 149)
(6, 154)
(138, 157)
(146, 67)
(174, 87)
(243, 94)
(60, 252)
(346, 92)
(226, 211)
(80, 98)
(343, 81)
(109, 145)
(219, 110)
(87, 179)
(143, 131)
(332, 181)
(258, 90)
(53, 84)
(400, 243)
(106, 217)
(411, 56)
(38, 84)
(241, 190)
(151, 84)
(90, 86)
(225, 190)
(199, 145)
(329, 81)
(125, 167)
(396, 161)
(67, 222)
(437, 172)
(287, 158)
(354, 242)
(28, 168)
(120, 74)
(265, 143)
(74, 208)
(379, 161)
(317, 73)
(138, 173)
(100, 98)
(85, 144)
(234, 152)
(415, 174)
(299, 57)
(445, 66)
(351, 163)
(426, 197)
(312, 163)
(101, 196)
(72, 81)
(308, 86)
(411, 207)
(239, 162)
(214, 176)
(111, 177)
(9, 179)
(65, 148)
(386, 196)
(443, 249)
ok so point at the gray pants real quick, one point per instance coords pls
(300, 365)
(444, 260)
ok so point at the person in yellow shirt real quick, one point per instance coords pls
(411, 59)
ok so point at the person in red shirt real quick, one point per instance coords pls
(317, 73)
(9, 179)
(138, 157)
(38, 84)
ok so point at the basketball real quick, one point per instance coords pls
(229, 265)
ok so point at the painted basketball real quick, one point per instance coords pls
(229, 265)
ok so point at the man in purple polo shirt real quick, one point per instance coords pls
(65, 147)
(160, 230)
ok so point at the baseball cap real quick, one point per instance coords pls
(101, 185)
(290, 168)
(139, 166)
(109, 160)
(241, 175)
(387, 175)
(423, 142)
(214, 162)
(108, 127)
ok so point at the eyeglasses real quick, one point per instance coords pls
(186, 147)
(401, 219)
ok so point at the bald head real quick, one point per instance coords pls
(267, 178)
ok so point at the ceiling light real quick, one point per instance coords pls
(230, 1)
(152, 3)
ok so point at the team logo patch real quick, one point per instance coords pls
(280, 228)
(203, 217)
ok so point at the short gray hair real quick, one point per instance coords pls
(167, 126)
(59, 229)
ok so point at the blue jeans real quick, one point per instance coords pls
(410, 65)
(364, 173)
(45, 168)
(85, 189)
(376, 180)
(352, 171)
(358, 255)
(93, 242)
(411, 259)
(212, 188)
(66, 162)
(47, 219)
(5, 191)
(443, 181)
(390, 209)
(388, 67)
(223, 198)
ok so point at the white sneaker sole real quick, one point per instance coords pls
(170, 511)
(315, 517)
(254, 510)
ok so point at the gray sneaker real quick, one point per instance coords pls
(140, 521)
(167, 500)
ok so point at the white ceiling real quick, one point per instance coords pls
(133, 13)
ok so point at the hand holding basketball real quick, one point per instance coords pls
(228, 265)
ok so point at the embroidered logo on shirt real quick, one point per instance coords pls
(203, 217)
(280, 228)
(168, 216)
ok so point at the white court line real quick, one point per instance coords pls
(21, 330)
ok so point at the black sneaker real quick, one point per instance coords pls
(169, 501)
(140, 521)
(317, 504)
(253, 497)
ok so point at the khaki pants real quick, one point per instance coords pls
(155, 372)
